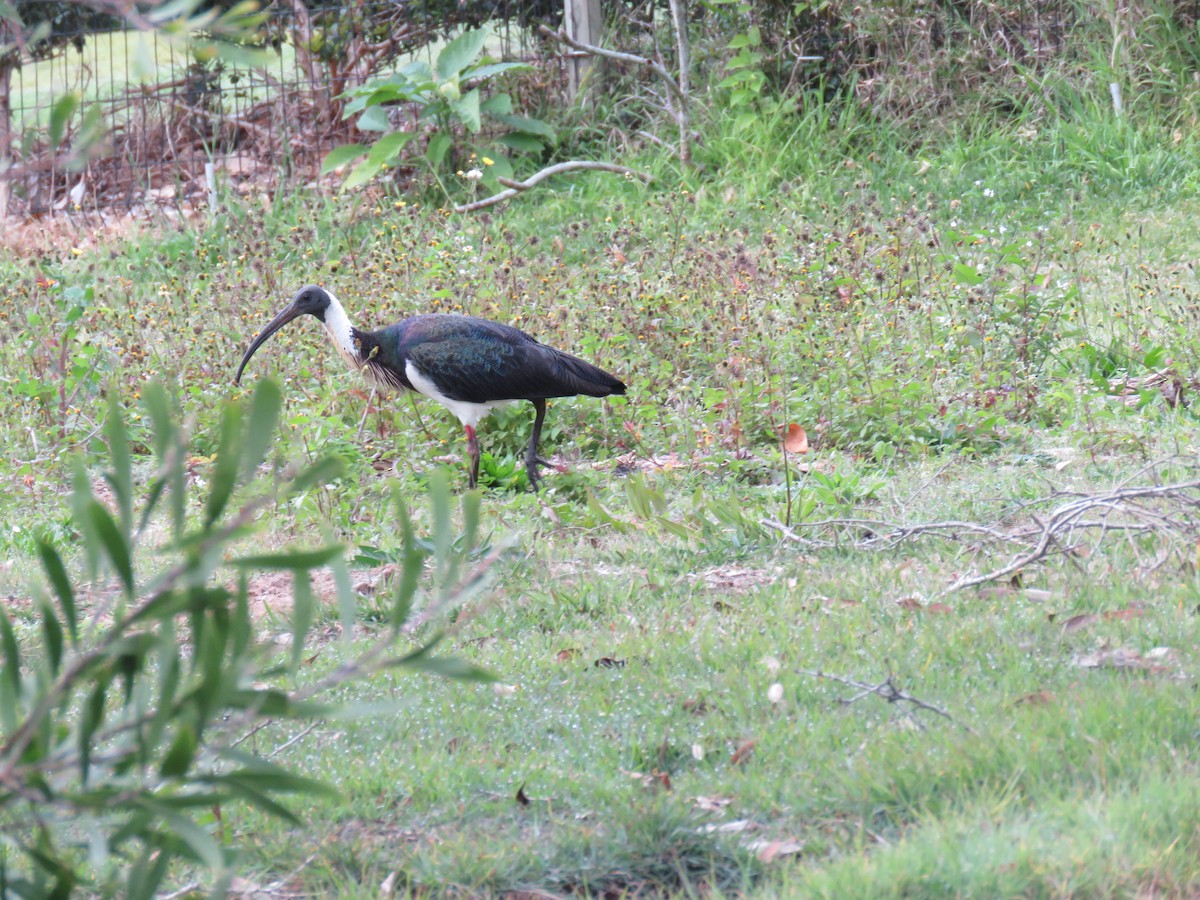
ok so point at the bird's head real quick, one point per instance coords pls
(309, 300)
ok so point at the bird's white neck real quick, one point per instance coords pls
(337, 323)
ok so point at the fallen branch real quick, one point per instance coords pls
(1169, 510)
(886, 689)
(515, 187)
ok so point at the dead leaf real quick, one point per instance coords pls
(771, 850)
(657, 779)
(711, 804)
(909, 603)
(697, 707)
(1125, 658)
(737, 826)
(522, 797)
(940, 608)
(744, 751)
(566, 655)
(795, 439)
(1080, 621)
(607, 662)
(1126, 614)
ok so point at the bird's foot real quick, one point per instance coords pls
(531, 469)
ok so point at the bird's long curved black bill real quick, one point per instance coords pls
(285, 315)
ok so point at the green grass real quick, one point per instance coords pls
(951, 340)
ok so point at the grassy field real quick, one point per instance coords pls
(979, 341)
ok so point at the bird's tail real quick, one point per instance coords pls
(584, 378)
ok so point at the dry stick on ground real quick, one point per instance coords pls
(1170, 510)
(888, 691)
(515, 187)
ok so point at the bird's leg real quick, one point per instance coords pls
(532, 460)
(473, 449)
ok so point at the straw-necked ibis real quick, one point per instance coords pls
(467, 364)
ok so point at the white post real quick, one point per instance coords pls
(584, 21)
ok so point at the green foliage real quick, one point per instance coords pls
(122, 711)
(454, 96)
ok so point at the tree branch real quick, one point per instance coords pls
(515, 187)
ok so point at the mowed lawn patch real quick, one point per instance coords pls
(660, 721)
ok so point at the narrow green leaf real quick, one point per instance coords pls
(470, 504)
(260, 427)
(439, 502)
(199, 841)
(225, 467)
(121, 476)
(90, 719)
(423, 660)
(248, 792)
(296, 560)
(179, 757)
(114, 544)
(169, 453)
(147, 874)
(323, 471)
(271, 777)
(243, 630)
(154, 399)
(81, 497)
(347, 607)
(412, 563)
(52, 636)
(60, 114)
(169, 668)
(12, 654)
(303, 610)
(460, 52)
(56, 573)
(339, 156)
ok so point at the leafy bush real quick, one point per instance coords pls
(450, 96)
(121, 709)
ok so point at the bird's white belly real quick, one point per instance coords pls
(469, 414)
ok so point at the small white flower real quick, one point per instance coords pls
(473, 175)
(987, 192)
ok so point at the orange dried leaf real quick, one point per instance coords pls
(744, 751)
(795, 439)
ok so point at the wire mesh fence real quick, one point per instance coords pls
(177, 125)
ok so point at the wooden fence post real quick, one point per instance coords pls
(584, 20)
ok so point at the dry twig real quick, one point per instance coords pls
(1168, 510)
(886, 689)
(515, 187)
